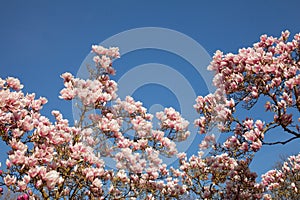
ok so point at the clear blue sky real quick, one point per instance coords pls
(39, 40)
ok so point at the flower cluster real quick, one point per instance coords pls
(172, 121)
(54, 151)
(89, 92)
(268, 72)
(284, 182)
(216, 109)
(271, 69)
(218, 177)
(52, 160)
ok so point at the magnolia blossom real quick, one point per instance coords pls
(56, 160)
(13, 83)
(23, 197)
(9, 180)
(52, 178)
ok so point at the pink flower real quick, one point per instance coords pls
(8, 163)
(22, 185)
(204, 144)
(244, 146)
(52, 178)
(14, 83)
(17, 157)
(256, 145)
(248, 123)
(18, 145)
(67, 94)
(99, 49)
(67, 76)
(97, 183)
(39, 183)
(26, 179)
(23, 197)
(181, 155)
(232, 142)
(27, 124)
(259, 124)
(113, 52)
(105, 61)
(78, 150)
(250, 136)
(122, 176)
(9, 180)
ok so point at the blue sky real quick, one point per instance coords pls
(40, 40)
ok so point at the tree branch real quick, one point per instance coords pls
(280, 142)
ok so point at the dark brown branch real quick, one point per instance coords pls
(290, 131)
(280, 142)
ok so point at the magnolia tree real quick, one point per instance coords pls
(53, 160)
